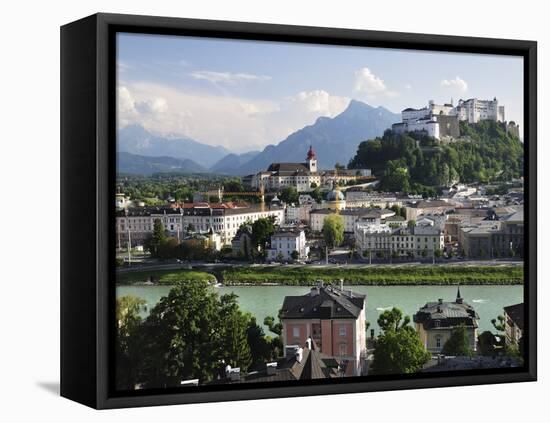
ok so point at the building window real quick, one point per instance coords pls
(342, 330)
(296, 332)
(438, 342)
(343, 349)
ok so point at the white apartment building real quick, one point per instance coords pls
(298, 213)
(137, 224)
(373, 237)
(356, 199)
(284, 243)
(349, 216)
(380, 238)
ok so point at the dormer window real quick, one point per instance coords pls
(437, 323)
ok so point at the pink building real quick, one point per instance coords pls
(335, 320)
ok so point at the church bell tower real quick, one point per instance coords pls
(311, 160)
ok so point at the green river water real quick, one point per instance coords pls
(262, 301)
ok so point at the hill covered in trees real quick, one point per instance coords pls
(418, 164)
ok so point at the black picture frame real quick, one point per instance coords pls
(87, 216)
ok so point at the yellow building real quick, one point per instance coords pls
(436, 320)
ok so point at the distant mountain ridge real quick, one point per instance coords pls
(334, 139)
(135, 139)
(231, 163)
(143, 165)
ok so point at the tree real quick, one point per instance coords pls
(262, 229)
(333, 230)
(289, 195)
(398, 349)
(128, 322)
(458, 343)
(154, 242)
(295, 255)
(188, 334)
(339, 166)
(168, 248)
(316, 195)
(487, 343)
(233, 333)
(261, 346)
(393, 320)
(411, 223)
(499, 324)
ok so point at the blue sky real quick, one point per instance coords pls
(247, 94)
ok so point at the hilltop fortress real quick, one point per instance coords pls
(441, 121)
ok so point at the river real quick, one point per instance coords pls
(262, 301)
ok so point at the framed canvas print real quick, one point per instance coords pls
(259, 211)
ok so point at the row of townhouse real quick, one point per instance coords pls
(350, 217)
(380, 238)
(493, 238)
(135, 225)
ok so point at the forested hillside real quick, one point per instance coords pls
(418, 164)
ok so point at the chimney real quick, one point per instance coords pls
(271, 368)
(234, 375)
(299, 353)
(342, 285)
(308, 343)
(314, 291)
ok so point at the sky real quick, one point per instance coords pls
(244, 95)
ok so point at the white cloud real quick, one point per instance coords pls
(457, 83)
(227, 77)
(371, 86)
(125, 101)
(155, 105)
(366, 81)
(237, 123)
(320, 102)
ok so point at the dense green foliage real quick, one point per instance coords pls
(289, 195)
(487, 343)
(163, 277)
(458, 344)
(333, 230)
(157, 188)
(416, 163)
(192, 333)
(128, 322)
(262, 229)
(375, 275)
(398, 349)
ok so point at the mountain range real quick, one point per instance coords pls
(334, 140)
(137, 140)
(145, 165)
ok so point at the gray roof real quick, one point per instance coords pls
(314, 365)
(362, 211)
(424, 204)
(446, 314)
(324, 302)
(288, 168)
(514, 217)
